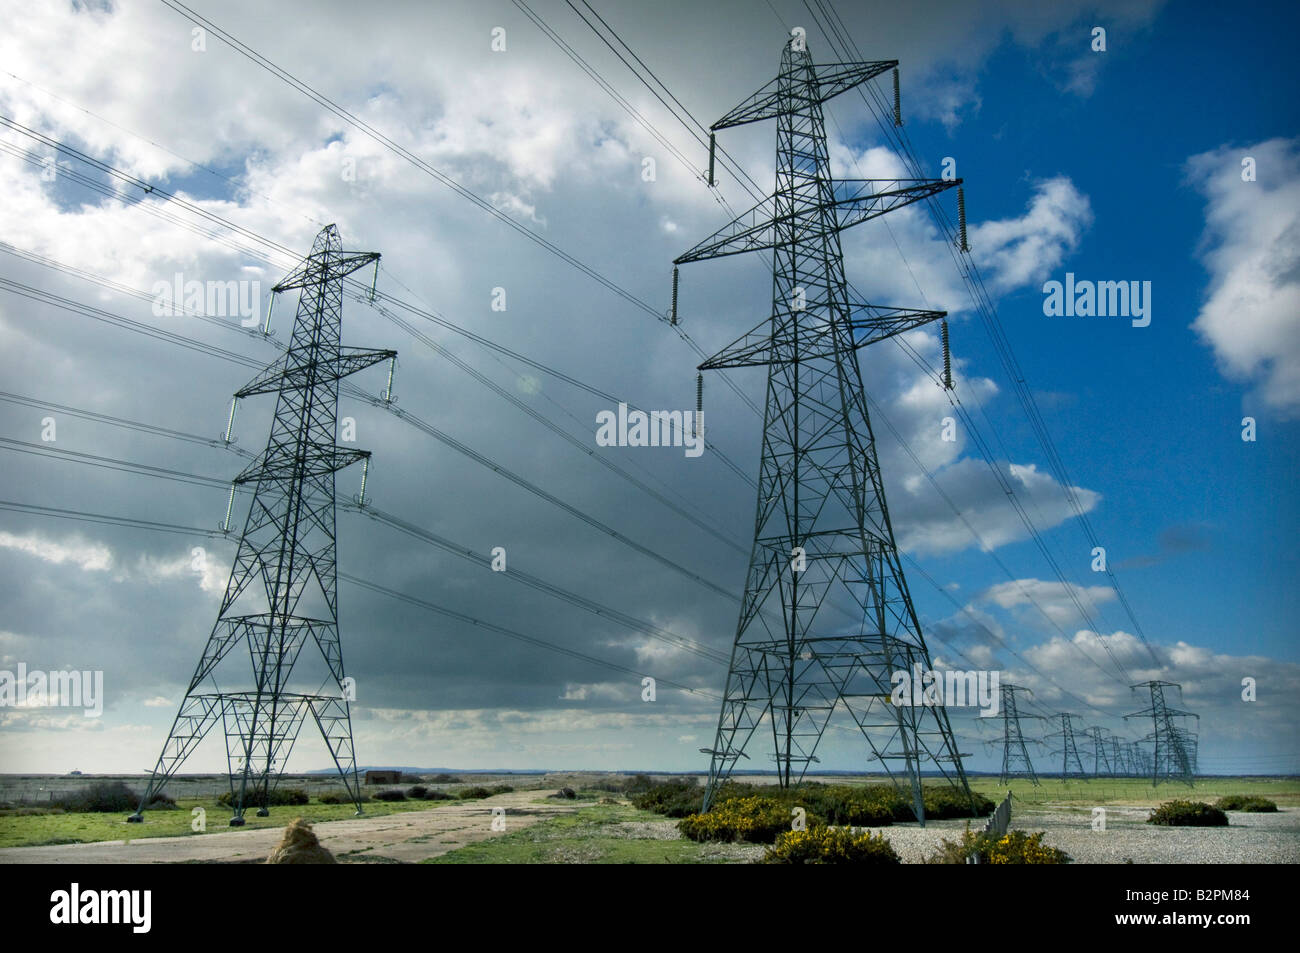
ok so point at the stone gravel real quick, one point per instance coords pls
(1249, 838)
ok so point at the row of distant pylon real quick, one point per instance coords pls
(1168, 753)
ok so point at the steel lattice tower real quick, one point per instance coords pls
(1173, 755)
(1015, 753)
(821, 522)
(1099, 753)
(1119, 757)
(1069, 748)
(283, 590)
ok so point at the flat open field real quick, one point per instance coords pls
(603, 827)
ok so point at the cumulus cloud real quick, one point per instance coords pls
(1251, 248)
(529, 133)
(1024, 250)
(1055, 600)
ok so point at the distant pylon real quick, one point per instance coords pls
(1100, 754)
(1118, 758)
(1071, 764)
(822, 528)
(1173, 746)
(1015, 755)
(283, 588)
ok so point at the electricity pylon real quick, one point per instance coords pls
(283, 589)
(1069, 748)
(822, 527)
(1121, 758)
(1173, 755)
(1015, 753)
(1099, 753)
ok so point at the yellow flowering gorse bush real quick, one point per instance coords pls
(831, 845)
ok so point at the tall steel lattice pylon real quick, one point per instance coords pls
(1015, 752)
(821, 523)
(1173, 747)
(283, 590)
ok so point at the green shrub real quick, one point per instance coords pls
(409, 779)
(392, 794)
(417, 792)
(1013, 847)
(110, 797)
(433, 794)
(1019, 847)
(830, 845)
(340, 797)
(444, 779)
(476, 792)
(1188, 814)
(501, 789)
(637, 784)
(1246, 802)
(861, 805)
(873, 805)
(943, 801)
(280, 797)
(757, 820)
(676, 798)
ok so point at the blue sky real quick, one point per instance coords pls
(1142, 414)
(1122, 165)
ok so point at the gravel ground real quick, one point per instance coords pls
(1249, 838)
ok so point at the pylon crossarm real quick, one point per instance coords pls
(860, 200)
(832, 79)
(327, 461)
(324, 266)
(751, 230)
(300, 376)
(761, 346)
(855, 201)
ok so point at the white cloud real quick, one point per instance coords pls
(1251, 247)
(88, 556)
(1055, 599)
(929, 525)
(1024, 250)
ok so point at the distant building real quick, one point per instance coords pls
(383, 777)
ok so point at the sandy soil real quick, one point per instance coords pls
(394, 838)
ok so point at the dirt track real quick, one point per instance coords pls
(395, 838)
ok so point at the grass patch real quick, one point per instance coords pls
(1087, 793)
(18, 830)
(594, 835)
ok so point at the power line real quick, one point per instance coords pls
(379, 402)
(162, 527)
(988, 312)
(675, 100)
(1069, 589)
